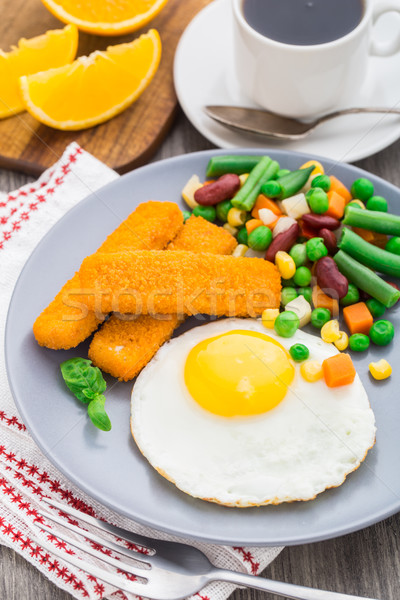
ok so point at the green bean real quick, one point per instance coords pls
(246, 197)
(287, 185)
(374, 220)
(368, 254)
(219, 165)
(366, 279)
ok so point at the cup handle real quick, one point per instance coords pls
(392, 46)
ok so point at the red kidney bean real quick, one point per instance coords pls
(224, 188)
(321, 221)
(329, 278)
(283, 241)
(329, 239)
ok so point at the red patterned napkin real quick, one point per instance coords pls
(25, 474)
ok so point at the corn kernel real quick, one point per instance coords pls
(285, 263)
(242, 178)
(330, 331)
(236, 217)
(268, 317)
(342, 342)
(380, 370)
(359, 202)
(232, 230)
(318, 170)
(190, 188)
(311, 370)
(240, 250)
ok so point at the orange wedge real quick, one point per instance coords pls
(52, 49)
(93, 88)
(106, 17)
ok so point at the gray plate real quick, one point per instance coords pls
(108, 466)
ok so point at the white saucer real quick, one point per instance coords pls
(203, 74)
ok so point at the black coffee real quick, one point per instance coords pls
(303, 22)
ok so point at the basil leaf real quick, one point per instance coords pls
(98, 415)
(84, 380)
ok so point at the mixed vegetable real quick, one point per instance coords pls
(330, 244)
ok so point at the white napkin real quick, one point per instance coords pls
(25, 474)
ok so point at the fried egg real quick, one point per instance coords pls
(223, 412)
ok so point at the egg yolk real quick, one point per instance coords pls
(238, 373)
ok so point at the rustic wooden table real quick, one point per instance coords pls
(366, 563)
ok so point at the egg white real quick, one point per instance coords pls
(306, 444)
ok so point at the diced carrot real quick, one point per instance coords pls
(322, 300)
(358, 318)
(340, 188)
(253, 224)
(338, 370)
(336, 205)
(380, 239)
(366, 234)
(264, 202)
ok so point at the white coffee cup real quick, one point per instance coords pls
(304, 81)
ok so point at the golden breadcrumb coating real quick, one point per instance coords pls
(179, 282)
(122, 347)
(65, 323)
(199, 235)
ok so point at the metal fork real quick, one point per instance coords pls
(170, 571)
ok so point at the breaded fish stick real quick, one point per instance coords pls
(153, 282)
(65, 323)
(122, 348)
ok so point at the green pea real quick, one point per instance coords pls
(317, 200)
(316, 248)
(362, 189)
(376, 308)
(302, 276)
(393, 245)
(306, 292)
(260, 238)
(319, 317)
(381, 332)
(186, 215)
(358, 342)
(286, 323)
(222, 210)
(207, 212)
(299, 352)
(287, 282)
(352, 296)
(377, 203)
(287, 295)
(322, 181)
(282, 172)
(242, 236)
(299, 254)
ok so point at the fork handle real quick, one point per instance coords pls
(287, 590)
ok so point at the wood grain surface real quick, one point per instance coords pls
(124, 142)
(365, 563)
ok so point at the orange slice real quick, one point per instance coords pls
(52, 49)
(106, 17)
(93, 88)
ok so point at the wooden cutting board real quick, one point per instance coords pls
(124, 142)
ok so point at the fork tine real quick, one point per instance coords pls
(116, 580)
(139, 540)
(95, 538)
(118, 564)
